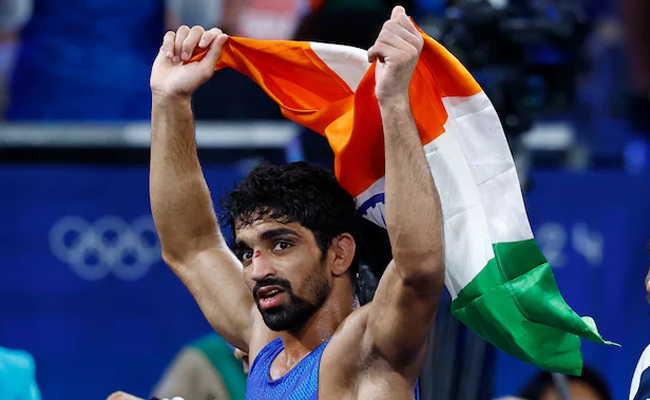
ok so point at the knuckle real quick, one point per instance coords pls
(183, 28)
(384, 35)
(417, 43)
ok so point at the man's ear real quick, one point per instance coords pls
(343, 249)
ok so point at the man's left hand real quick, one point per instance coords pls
(397, 49)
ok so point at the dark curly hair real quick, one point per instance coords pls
(296, 192)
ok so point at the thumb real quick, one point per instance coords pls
(216, 48)
(397, 11)
(375, 53)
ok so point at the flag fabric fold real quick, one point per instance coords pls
(501, 285)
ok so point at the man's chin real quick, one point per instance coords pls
(278, 325)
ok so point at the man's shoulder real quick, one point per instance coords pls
(640, 387)
(348, 337)
(355, 323)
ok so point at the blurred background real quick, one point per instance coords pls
(83, 289)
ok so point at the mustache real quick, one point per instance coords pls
(272, 281)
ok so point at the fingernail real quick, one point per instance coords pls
(185, 56)
(168, 54)
(202, 43)
(177, 58)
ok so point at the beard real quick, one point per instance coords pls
(297, 310)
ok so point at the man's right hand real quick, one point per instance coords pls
(170, 75)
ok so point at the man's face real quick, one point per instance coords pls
(285, 270)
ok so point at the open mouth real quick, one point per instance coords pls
(269, 296)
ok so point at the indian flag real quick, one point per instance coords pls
(501, 285)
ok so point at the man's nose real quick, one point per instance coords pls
(261, 266)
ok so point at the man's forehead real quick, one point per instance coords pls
(255, 229)
(256, 218)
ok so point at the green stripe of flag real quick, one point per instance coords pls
(515, 304)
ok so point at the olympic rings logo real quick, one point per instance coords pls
(108, 245)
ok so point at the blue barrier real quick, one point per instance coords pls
(97, 315)
(594, 229)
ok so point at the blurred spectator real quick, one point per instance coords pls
(589, 386)
(13, 16)
(636, 14)
(267, 19)
(350, 22)
(206, 13)
(206, 369)
(90, 59)
(17, 373)
(229, 94)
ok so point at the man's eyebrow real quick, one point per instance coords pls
(274, 233)
(271, 234)
(241, 245)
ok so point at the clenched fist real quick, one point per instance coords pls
(397, 49)
(170, 76)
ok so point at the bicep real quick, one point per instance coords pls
(401, 316)
(214, 277)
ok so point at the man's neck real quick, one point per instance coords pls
(320, 327)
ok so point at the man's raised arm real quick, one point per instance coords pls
(185, 219)
(406, 301)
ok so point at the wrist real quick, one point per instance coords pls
(395, 103)
(163, 99)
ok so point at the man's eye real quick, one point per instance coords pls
(282, 245)
(246, 255)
